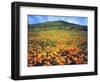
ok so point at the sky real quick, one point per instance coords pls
(34, 19)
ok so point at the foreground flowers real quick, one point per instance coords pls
(57, 47)
(57, 56)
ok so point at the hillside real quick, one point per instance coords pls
(61, 25)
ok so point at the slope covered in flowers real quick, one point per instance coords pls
(57, 47)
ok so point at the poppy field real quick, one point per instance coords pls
(54, 45)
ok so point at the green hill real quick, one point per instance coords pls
(60, 25)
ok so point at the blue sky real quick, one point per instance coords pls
(34, 19)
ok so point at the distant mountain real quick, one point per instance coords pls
(58, 25)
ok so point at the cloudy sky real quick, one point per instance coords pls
(34, 19)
